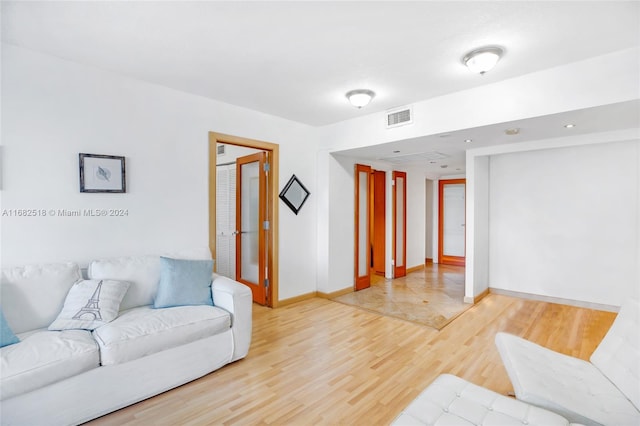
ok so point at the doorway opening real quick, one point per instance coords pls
(243, 214)
(451, 221)
(371, 225)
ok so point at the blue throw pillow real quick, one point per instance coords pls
(184, 282)
(6, 335)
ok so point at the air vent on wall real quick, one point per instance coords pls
(399, 117)
(415, 157)
(221, 149)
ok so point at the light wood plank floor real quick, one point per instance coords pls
(320, 362)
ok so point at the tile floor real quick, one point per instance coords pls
(432, 296)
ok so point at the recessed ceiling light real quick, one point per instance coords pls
(570, 125)
(396, 151)
(483, 59)
(360, 97)
(444, 166)
(468, 140)
(512, 132)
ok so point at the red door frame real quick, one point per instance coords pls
(445, 259)
(399, 271)
(259, 289)
(362, 281)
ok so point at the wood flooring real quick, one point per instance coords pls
(320, 362)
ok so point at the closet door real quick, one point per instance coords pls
(226, 220)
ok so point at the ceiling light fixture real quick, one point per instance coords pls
(468, 140)
(512, 132)
(360, 97)
(483, 59)
(570, 126)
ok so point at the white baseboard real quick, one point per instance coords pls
(558, 300)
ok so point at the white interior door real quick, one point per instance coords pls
(226, 220)
(452, 222)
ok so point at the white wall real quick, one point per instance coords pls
(563, 222)
(593, 82)
(339, 225)
(416, 213)
(337, 264)
(477, 227)
(54, 109)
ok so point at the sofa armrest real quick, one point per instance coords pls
(235, 298)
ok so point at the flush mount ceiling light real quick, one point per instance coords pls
(361, 97)
(483, 59)
(570, 126)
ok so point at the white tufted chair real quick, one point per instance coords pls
(604, 391)
(450, 401)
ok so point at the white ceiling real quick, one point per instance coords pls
(297, 59)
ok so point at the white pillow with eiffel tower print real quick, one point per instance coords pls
(90, 304)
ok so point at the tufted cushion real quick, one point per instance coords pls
(450, 400)
(569, 386)
(618, 355)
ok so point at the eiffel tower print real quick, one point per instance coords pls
(91, 308)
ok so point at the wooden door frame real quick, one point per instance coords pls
(272, 195)
(378, 189)
(399, 271)
(442, 258)
(361, 282)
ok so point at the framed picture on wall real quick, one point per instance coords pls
(294, 194)
(102, 173)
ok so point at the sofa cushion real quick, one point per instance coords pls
(90, 304)
(143, 272)
(143, 331)
(450, 400)
(32, 296)
(44, 357)
(184, 282)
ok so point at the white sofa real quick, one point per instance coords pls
(450, 400)
(72, 376)
(604, 391)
